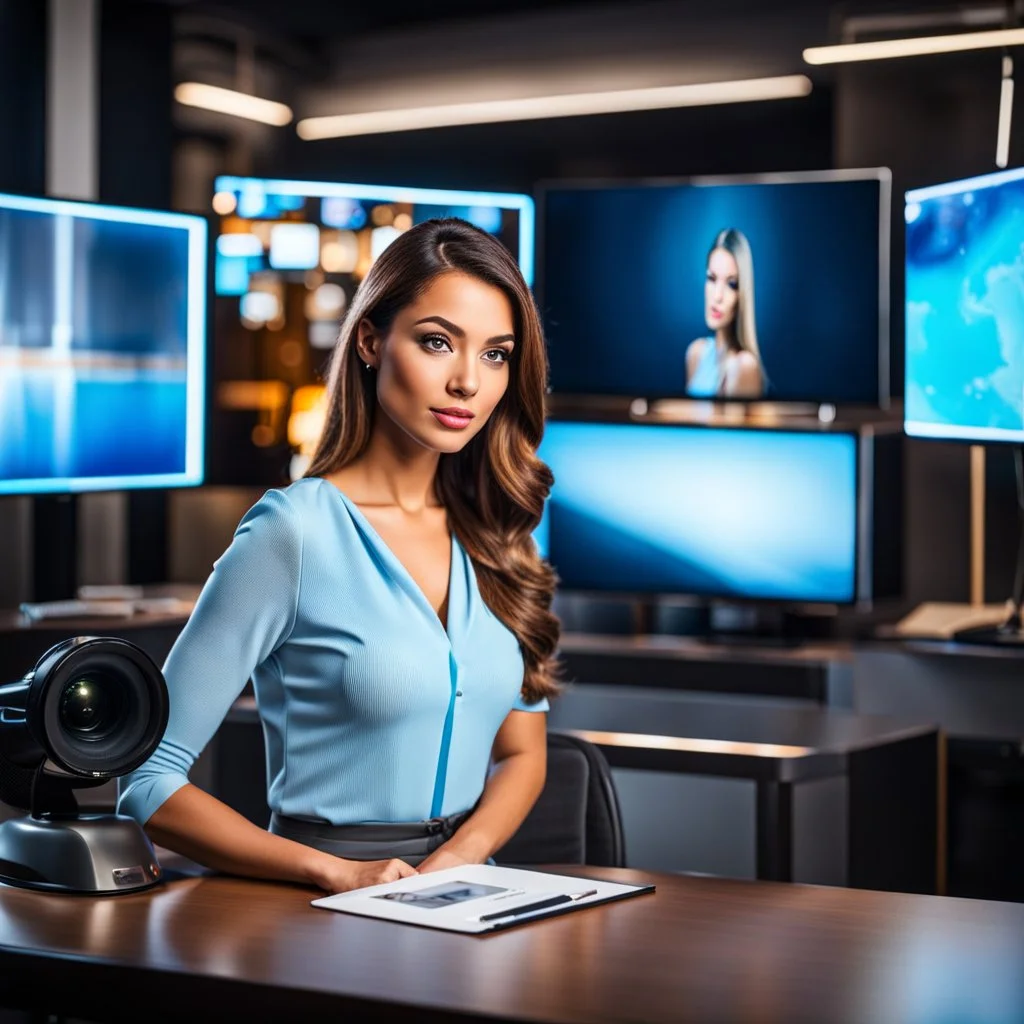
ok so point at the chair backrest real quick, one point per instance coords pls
(576, 819)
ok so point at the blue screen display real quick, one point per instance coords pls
(624, 297)
(102, 347)
(965, 309)
(721, 512)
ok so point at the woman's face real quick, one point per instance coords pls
(443, 366)
(721, 290)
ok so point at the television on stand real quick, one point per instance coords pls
(965, 332)
(102, 361)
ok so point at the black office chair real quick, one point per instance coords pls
(576, 819)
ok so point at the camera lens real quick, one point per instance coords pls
(91, 707)
(98, 706)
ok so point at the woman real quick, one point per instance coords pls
(391, 606)
(727, 364)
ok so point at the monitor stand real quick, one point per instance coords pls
(1010, 633)
(720, 622)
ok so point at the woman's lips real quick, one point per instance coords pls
(454, 419)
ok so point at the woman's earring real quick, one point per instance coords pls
(368, 366)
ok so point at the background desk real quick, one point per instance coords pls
(886, 814)
(22, 643)
(810, 672)
(698, 950)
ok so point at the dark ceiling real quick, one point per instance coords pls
(313, 20)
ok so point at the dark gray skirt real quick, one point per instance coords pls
(409, 841)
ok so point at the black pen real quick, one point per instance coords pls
(529, 908)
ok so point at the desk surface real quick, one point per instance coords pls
(699, 949)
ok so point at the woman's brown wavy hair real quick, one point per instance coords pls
(493, 489)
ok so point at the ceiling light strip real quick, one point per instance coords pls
(568, 105)
(919, 46)
(237, 104)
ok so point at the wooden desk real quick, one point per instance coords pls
(698, 949)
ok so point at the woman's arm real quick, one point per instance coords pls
(743, 377)
(520, 756)
(193, 823)
(693, 353)
(246, 610)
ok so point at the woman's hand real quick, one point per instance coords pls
(447, 856)
(336, 874)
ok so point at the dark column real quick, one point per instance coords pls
(23, 88)
(22, 169)
(136, 144)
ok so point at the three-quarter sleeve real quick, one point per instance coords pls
(245, 611)
(521, 705)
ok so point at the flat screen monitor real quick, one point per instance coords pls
(712, 512)
(102, 347)
(289, 258)
(965, 310)
(774, 288)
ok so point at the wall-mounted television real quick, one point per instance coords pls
(773, 288)
(102, 347)
(289, 258)
(965, 309)
(722, 512)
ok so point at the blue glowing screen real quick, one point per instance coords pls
(965, 309)
(102, 347)
(723, 512)
(623, 271)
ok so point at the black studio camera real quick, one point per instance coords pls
(93, 709)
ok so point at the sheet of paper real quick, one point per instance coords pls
(457, 898)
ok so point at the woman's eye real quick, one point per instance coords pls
(435, 342)
(496, 355)
(734, 285)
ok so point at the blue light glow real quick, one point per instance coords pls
(102, 347)
(341, 212)
(232, 274)
(712, 512)
(294, 246)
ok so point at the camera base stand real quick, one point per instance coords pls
(90, 854)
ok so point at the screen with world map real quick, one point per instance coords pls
(965, 309)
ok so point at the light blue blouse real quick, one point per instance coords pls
(707, 377)
(371, 709)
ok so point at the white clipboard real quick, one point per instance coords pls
(478, 899)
